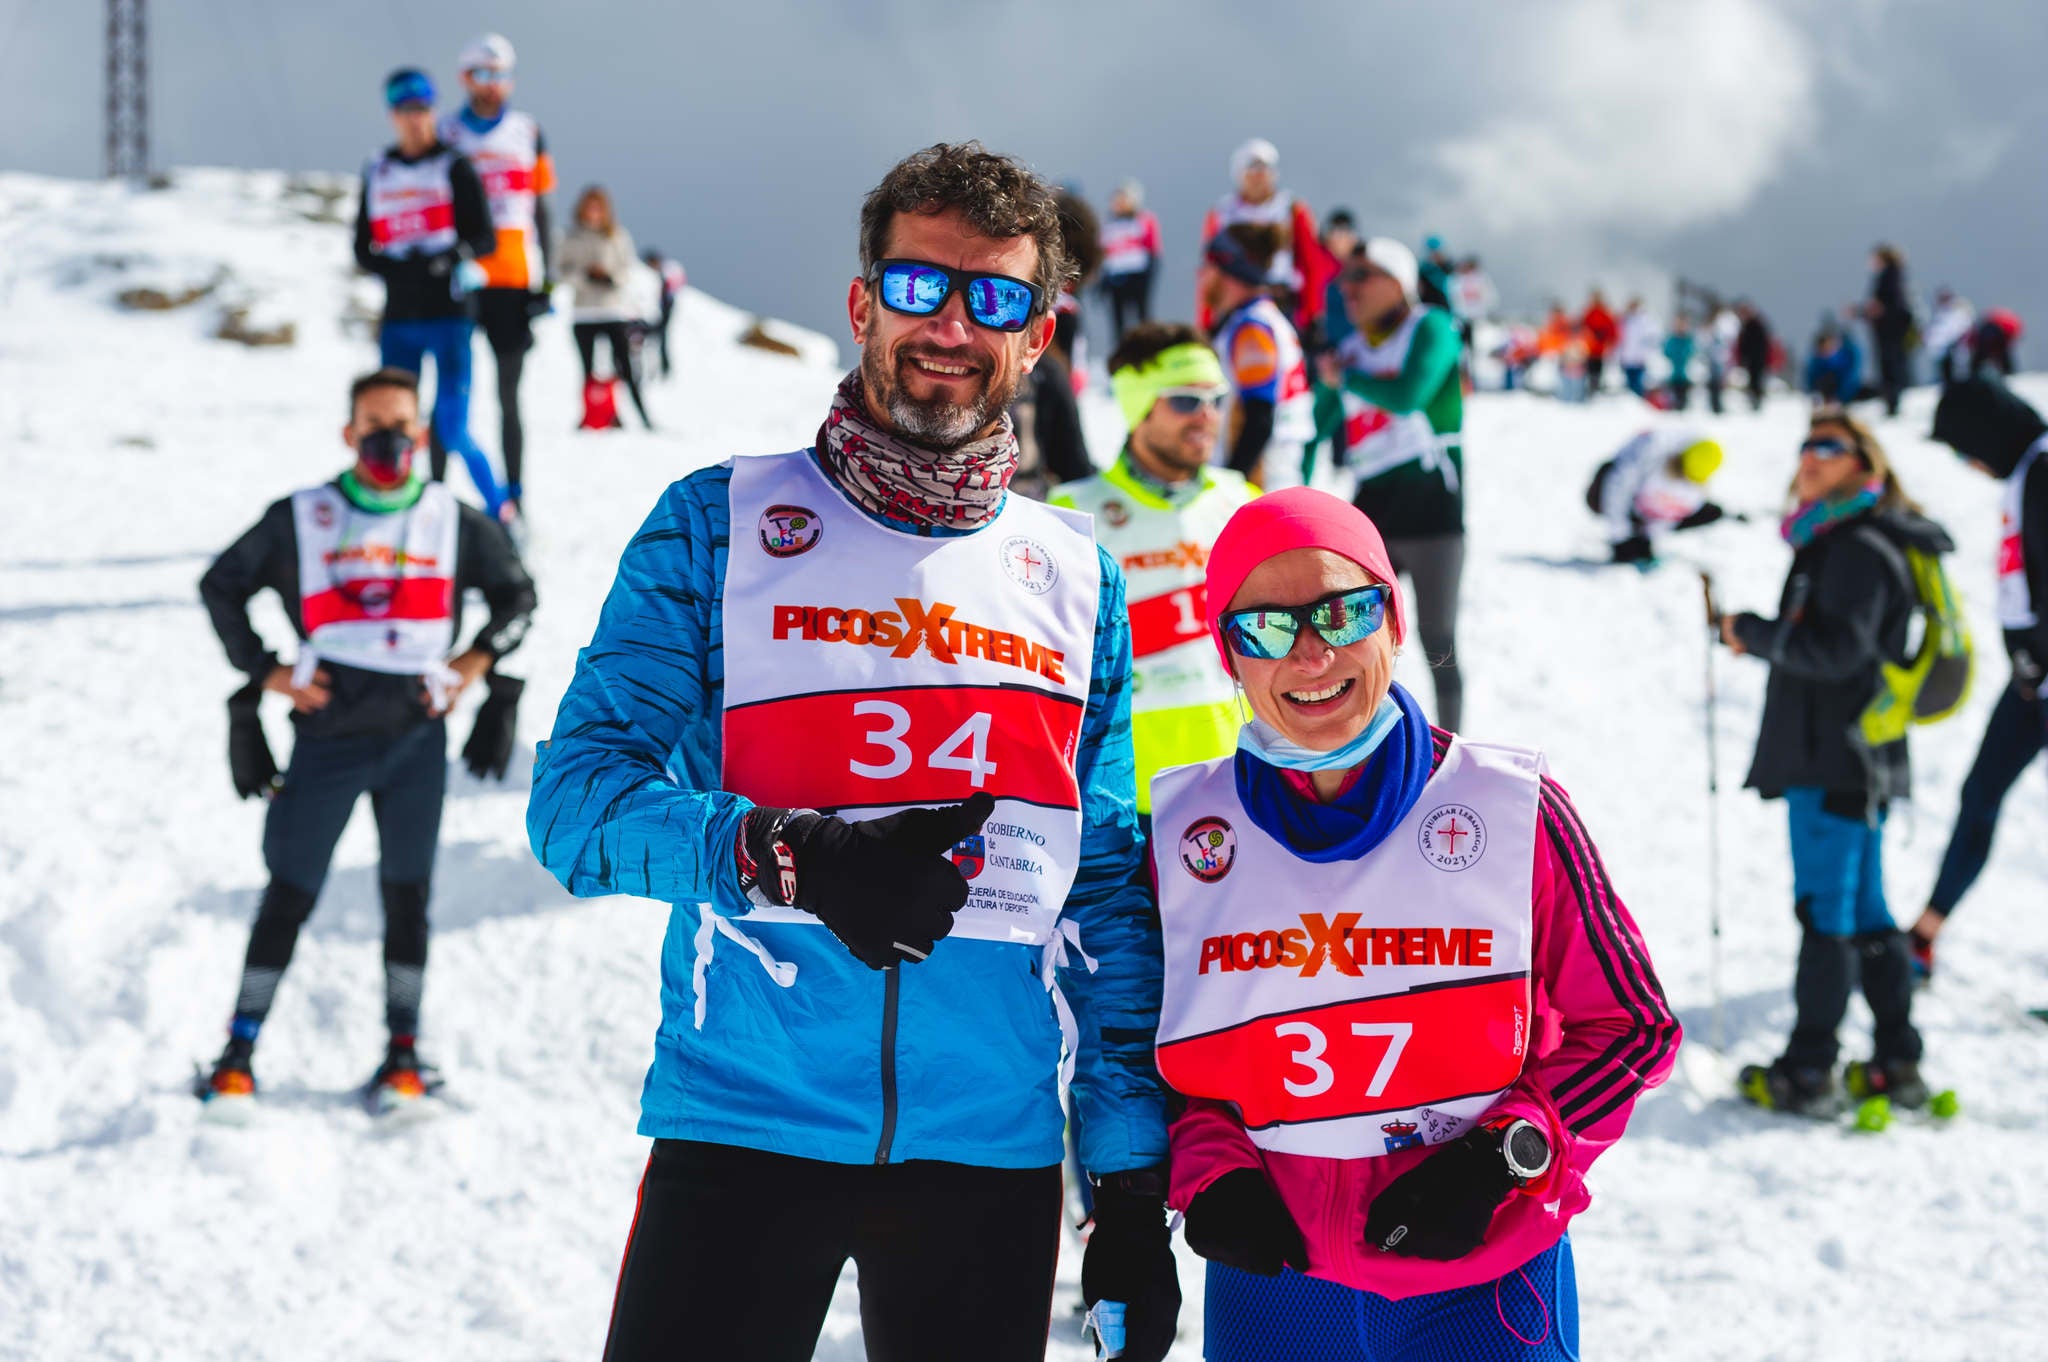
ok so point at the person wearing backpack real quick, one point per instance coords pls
(2001, 435)
(1845, 613)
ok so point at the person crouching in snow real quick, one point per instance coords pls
(1655, 482)
(1405, 1005)
(1846, 610)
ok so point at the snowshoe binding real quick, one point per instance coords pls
(1797, 1091)
(229, 1091)
(402, 1082)
(1881, 1089)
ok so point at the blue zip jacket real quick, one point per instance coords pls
(955, 1058)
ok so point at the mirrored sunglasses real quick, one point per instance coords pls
(918, 288)
(1343, 618)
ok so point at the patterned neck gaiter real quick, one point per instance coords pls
(950, 489)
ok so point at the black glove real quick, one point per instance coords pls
(489, 749)
(1705, 515)
(1129, 1258)
(1634, 549)
(1240, 1221)
(1441, 1208)
(884, 886)
(539, 303)
(249, 760)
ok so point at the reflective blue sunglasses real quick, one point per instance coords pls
(918, 288)
(1268, 632)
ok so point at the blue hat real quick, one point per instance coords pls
(408, 85)
(1226, 253)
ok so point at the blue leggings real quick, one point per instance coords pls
(2012, 739)
(1529, 1315)
(405, 345)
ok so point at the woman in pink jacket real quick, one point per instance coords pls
(1405, 1005)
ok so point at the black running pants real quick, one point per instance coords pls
(734, 1253)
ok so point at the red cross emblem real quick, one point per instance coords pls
(1451, 832)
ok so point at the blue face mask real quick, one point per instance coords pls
(1263, 741)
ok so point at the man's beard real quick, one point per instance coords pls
(1175, 457)
(934, 423)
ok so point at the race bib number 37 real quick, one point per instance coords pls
(1351, 1059)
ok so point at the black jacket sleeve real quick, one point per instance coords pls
(2028, 648)
(367, 258)
(266, 556)
(1060, 441)
(474, 230)
(486, 559)
(543, 225)
(1835, 623)
(1252, 434)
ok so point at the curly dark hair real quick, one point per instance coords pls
(1146, 341)
(998, 195)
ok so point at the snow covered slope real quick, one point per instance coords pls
(133, 446)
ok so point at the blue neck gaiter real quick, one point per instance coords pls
(1357, 820)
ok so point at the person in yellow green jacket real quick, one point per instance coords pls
(1157, 510)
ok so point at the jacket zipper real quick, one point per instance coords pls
(891, 978)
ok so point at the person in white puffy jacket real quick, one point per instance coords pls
(1640, 336)
(599, 262)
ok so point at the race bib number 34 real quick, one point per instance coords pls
(915, 745)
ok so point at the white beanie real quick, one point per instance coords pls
(1258, 149)
(492, 52)
(1397, 260)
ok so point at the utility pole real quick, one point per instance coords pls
(127, 91)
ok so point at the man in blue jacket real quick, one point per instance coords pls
(859, 688)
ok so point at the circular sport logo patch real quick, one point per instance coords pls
(1453, 837)
(787, 531)
(1029, 564)
(1116, 514)
(1208, 849)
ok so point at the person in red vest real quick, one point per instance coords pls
(1600, 330)
(1302, 268)
(1404, 1002)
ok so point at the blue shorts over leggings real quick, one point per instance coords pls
(1530, 1315)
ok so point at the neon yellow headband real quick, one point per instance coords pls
(1180, 366)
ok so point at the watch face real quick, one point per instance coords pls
(1528, 1149)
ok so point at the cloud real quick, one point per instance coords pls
(1631, 116)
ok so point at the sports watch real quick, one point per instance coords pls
(1526, 1149)
(1145, 1182)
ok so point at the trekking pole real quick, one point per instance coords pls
(1713, 814)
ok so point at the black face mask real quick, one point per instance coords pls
(388, 452)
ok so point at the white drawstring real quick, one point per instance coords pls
(1051, 960)
(712, 925)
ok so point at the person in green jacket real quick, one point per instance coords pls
(1401, 437)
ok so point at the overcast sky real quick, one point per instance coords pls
(1762, 147)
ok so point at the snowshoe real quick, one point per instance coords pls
(401, 1082)
(229, 1091)
(1881, 1090)
(1779, 1086)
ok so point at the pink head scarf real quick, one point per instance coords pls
(1298, 518)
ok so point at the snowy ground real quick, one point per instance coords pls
(133, 446)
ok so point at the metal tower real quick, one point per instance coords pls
(127, 91)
